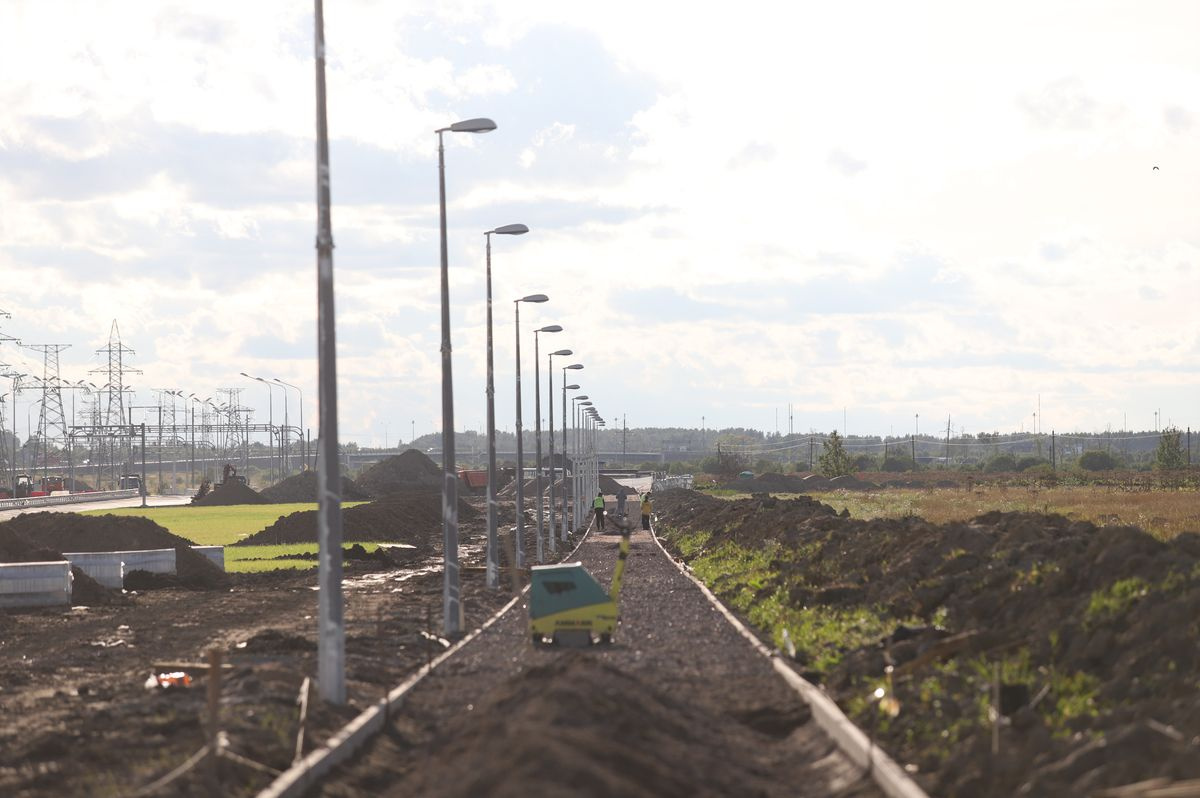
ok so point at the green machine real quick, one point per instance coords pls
(567, 606)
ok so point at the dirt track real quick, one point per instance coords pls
(678, 705)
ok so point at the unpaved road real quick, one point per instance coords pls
(679, 704)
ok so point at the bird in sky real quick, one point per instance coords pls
(1156, 169)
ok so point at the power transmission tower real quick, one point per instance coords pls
(52, 420)
(114, 371)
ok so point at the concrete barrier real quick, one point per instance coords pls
(109, 567)
(215, 554)
(106, 567)
(34, 502)
(35, 584)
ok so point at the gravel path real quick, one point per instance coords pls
(679, 704)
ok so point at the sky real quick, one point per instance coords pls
(858, 215)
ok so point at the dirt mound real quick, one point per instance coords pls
(605, 731)
(228, 493)
(193, 571)
(302, 487)
(75, 532)
(86, 591)
(609, 486)
(408, 472)
(416, 520)
(1085, 624)
(15, 548)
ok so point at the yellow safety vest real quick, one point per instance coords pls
(598, 503)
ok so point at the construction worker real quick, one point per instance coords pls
(622, 494)
(646, 508)
(598, 506)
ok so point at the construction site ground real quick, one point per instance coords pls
(679, 704)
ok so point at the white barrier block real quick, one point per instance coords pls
(214, 553)
(106, 567)
(35, 584)
(156, 561)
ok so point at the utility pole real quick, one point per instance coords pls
(331, 637)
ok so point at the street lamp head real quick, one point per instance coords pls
(534, 298)
(550, 328)
(480, 125)
(584, 404)
(584, 396)
(574, 366)
(509, 230)
(561, 353)
(244, 374)
(570, 387)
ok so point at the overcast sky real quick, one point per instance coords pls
(873, 208)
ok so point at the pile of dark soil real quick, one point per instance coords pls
(15, 548)
(580, 726)
(408, 472)
(302, 487)
(228, 493)
(87, 592)
(416, 520)
(74, 532)
(1095, 630)
(609, 486)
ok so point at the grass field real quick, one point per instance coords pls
(215, 526)
(223, 526)
(1163, 513)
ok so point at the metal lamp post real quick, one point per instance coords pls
(270, 421)
(563, 513)
(537, 433)
(572, 367)
(581, 482)
(550, 412)
(299, 429)
(451, 605)
(493, 546)
(520, 542)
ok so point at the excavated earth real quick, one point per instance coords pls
(408, 472)
(229, 493)
(1093, 632)
(302, 487)
(77, 719)
(399, 518)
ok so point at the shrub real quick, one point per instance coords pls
(1028, 462)
(1097, 460)
(1001, 462)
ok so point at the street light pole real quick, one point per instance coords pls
(520, 541)
(537, 434)
(493, 545)
(563, 514)
(572, 367)
(300, 429)
(550, 413)
(451, 605)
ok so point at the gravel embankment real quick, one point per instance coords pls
(679, 704)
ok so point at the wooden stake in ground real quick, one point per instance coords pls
(214, 714)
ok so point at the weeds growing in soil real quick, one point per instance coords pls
(1162, 513)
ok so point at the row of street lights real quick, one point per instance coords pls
(451, 604)
(281, 463)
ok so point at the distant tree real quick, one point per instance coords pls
(1029, 461)
(834, 462)
(897, 460)
(864, 462)
(1001, 462)
(1170, 455)
(1097, 460)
